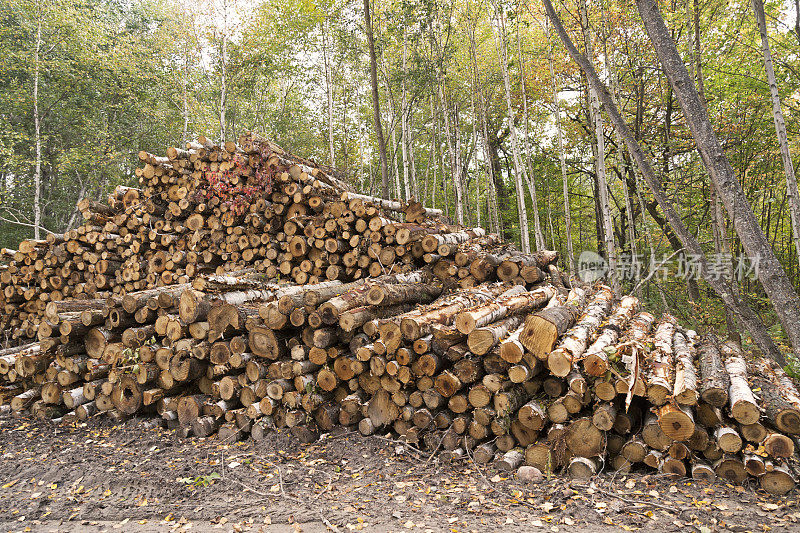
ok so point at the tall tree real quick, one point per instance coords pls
(223, 77)
(328, 87)
(376, 104)
(522, 210)
(531, 179)
(37, 176)
(780, 127)
(720, 285)
(770, 272)
(561, 156)
(596, 119)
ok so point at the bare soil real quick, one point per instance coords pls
(103, 477)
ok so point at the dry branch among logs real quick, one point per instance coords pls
(243, 289)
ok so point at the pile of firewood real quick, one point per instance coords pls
(242, 289)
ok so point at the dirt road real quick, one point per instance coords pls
(99, 477)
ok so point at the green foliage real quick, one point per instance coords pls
(119, 77)
(200, 481)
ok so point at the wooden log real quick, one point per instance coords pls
(572, 347)
(715, 381)
(685, 388)
(595, 361)
(660, 370)
(481, 340)
(542, 329)
(514, 301)
(743, 405)
(676, 422)
(583, 439)
(778, 481)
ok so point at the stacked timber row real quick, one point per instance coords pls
(209, 209)
(435, 333)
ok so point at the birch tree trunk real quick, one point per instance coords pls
(519, 187)
(223, 93)
(537, 226)
(780, 127)
(37, 175)
(622, 160)
(376, 105)
(451, 133)
(328, 90)
(749, 318)
(494, 217)
(432, 161)
(475, 144)
(561, 157)
(414, 184)
(185, 110)
(770, 272)
(404, 126)
(600, 161)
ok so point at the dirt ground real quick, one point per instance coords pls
(100, 477)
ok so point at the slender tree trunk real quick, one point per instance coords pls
(37, 175)
(717, 218)
(780, 127)
(561, 157)
(404, 126)
(770, 272)
(621, 159)
(520, 189)
(414, 184)
(328, 90)
(698, 56)
(494, 217)
(451, 132)
(531, 179)
(376, 105)
(185, 110)
(475, 144)
(796, 19)
(397, 191)
(433, 159)
(223, 93)
(743, 312)
(600, 161)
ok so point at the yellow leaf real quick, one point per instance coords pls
(10, 484)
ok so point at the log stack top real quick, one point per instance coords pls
(242, 288)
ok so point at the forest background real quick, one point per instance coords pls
(484, 114)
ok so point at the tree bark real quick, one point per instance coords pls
(537, 226)
(494, 220)
(376, 106)
(770, 272)
(328, 90)
(520, 189)
(37, 176)
(744, 312)
(600, 161)
(780, 127)
(404, 127)
(223, 94)
(561, 157)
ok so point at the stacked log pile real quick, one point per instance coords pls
(245, 289)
